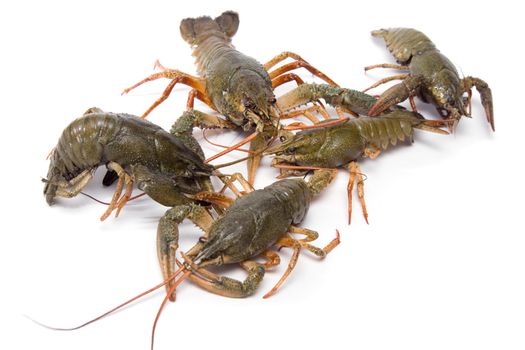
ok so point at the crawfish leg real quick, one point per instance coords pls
(285, 78)
(177, 77)
(246, 185)
(308, 113)
(310, 236)
(168, 235)
(272, 259)
(386, 80)
(196, 94)
(387, 65)
(257, 145)
(281, 57)
(116, 200)
(396, 94)
(355, 173)
(286, 241)
(127, 195)
(485, 94)
(301, 64)
(227, 286)
(296, 245)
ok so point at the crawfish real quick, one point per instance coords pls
(133, 148)
(342, 144)
(230, 82)
(248, 228)
(432, 77)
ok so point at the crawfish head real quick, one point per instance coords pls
(252, 99)
(303, 148)
(447, 95)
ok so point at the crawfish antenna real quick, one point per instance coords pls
(106, 203)
(112, 310)
(166, 298)
(237, 145)
(222, 146)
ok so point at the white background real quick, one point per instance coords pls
(441, 264)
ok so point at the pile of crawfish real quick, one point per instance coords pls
(249, 224)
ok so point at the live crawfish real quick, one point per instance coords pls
(342, 144)
(136, 149)
(235, 85)
(432, 77)
(250, 227)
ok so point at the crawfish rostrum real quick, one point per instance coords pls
(170, 167)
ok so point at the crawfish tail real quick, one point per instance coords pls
(210, 37)
(81, 144)
(404, 43)
(388, 129)
(80, 147)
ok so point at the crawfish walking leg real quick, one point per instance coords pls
(194, 93)
(290, 242)
(285, 78)
(281, 57)
(177, 77)
(301, 64)
(387, 65)
(355, 173)
(310, 236)
(116, 201)
(386, 80)
(272, 259)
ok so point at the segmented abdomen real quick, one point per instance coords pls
(209, 49)
(82, 143)
(381, 131)
(404, 43)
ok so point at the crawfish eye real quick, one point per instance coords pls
(282, 138)
(272, 100)
(291, 150)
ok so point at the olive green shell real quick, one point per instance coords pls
(99, 138)
(338, 145)
(257, 220)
